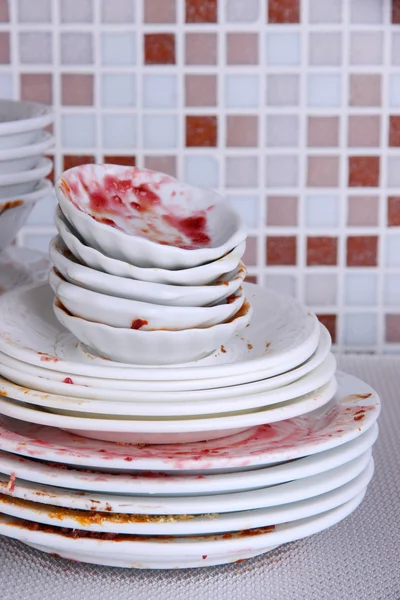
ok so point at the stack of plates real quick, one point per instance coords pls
(276, 445)
(23, 166)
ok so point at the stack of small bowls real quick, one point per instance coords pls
(23, 166)
(147, 270)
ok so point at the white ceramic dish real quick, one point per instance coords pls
(131, 314)
(21, 122)
(15, 210)
(156, 293)
(22, 158)
(145, 348)
(277, 340)
(168, 390)
(167, 430)
(197, 276)
(266, 497)
(23, 182)
(176, 552)
(120, 402)
(355, 410)
(203, 522)
(163, 484)
(127, 213)
(22, 266)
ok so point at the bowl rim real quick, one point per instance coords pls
(46, 141)
(43, 187)
(37, 121)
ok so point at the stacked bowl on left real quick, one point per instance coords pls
(23, 166)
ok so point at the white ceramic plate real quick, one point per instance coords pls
(131, 314)
(282, 335)
(176, 552)
(23, 182)
(166, 430)
(169, 390)
(143, 291)
(21, 122)
(197, 276)
(22, 158)
(164, 484)
(355, 410)
(204, 522)
(173, 403)
(128, 213)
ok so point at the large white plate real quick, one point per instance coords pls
(174, 552)
(276, 495)
(148, 483)
(185, 523)
(355, 409)
(121, 402)
(282, 335)
(166, 430)
(223, 387)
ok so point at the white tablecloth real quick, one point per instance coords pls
(358, 559)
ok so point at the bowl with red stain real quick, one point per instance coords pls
(15, 210)
(79, 274)
(146, 218)
(158, 347)
(122, 312)
(196, 276)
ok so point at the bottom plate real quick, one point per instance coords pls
(170, 552)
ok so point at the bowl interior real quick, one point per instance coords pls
(151, 205)
(19, 111)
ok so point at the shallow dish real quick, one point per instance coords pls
(22, 158)
(177, 484)
(176, 552)
(15, 210)
(128, 213)
(143, 291)
(132, 314)
(346, 483)
(197, 276)
(15, 184)
(277, 340)
(355, 409)
(167, 430)
(21, 122)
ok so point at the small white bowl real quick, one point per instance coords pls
(197, 276)
(120, 312)
(146, 218)
(152, 347)
(21, 122)
(143, 291)
(15, 184)
(23, 158)
(15, 210)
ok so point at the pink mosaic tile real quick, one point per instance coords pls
(164, 164)
(364, 130)
(37, 87)
(323, 131)
(200, 90)
(323, 171)
(159, 11)
(282, 211)
(242, 48)
(365, 90)
(4, 12)
(363, 211)
(4, 47)
(241, 130)
(77, 89)
(201, 49)
(250, 256)
(392, 322)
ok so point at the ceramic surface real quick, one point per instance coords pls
(22, 158)
(128, 213)
(23, 182)
(21, 122)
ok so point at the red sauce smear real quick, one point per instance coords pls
(68, 380)
(138, 323)
(193, 227)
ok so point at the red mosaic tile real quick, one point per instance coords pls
(364, 171)
(251, 279)
(77, 89)
(330, 323)
(201, 130)
(392, 328)
(362, 251)
(74, 160)
(51, 176)
(4, 12)
(281, 250)
(394, 131)
(201, 11)
(394, 211)
(4, 48)
(250, 255)
(37, 87)
(159, 49)
(396, 12)
(124, 161)
(284, 11)
(322, 250)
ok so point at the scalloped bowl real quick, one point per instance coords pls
(147, 218)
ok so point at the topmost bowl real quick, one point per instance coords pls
(146, 218)
(21, 122)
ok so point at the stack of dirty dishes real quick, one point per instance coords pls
(106, 447)
(23, 166)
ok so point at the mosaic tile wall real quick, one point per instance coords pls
(290, 108)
